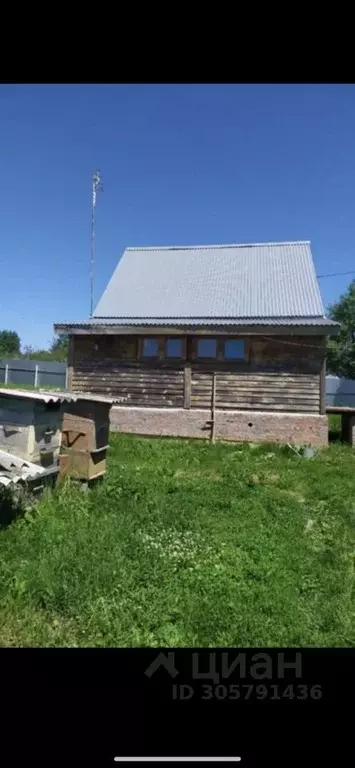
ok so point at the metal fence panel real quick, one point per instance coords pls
(40, 373)
(340, 391)
(52, 378)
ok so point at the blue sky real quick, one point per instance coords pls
(180, 165)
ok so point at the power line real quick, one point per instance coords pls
(293, 343)
(337, 274)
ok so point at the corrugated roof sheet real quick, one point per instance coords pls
(28, 394)
(54, 397)
(13, 469)
(262, 280)
(194, 322)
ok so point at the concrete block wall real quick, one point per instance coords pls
(242, 426)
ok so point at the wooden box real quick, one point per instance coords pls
(86, 425)
(30, 428)
(82, 465)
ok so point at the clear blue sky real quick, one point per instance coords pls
(181, 165)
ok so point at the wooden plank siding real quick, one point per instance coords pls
(261, 391)
(70, 366)
(277, 374)
(137, 383)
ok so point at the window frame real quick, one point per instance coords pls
(182, 341)
(190, 348)
(149, 357)
(234, 359)
(204, 357)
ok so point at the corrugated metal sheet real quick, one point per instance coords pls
(13, 469)
(53, 397)
(44, 397)
(23, 372)
(340, 391)
(182, 322)
(224, 281)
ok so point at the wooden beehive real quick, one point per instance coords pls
(85, 437)
(86, 425)
(36, 426)
(30, 427)
(82, 465)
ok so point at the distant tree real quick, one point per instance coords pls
(341, 348)
(58, 351)
(59, 348)
(39, 354)
(9, 344)
(27, 351)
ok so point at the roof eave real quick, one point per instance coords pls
(326, 327)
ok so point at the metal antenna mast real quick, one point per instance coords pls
(96, 187)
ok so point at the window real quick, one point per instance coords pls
(174, 348)
(150, 348)
(207, 348)
(234, 349)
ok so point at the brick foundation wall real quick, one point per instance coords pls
(246, 426)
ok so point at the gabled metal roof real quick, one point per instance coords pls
(261, 280)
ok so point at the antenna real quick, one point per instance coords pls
(96, 187)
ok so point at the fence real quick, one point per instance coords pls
(340, 392)
(35, 373)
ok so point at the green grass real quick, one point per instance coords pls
(187, 543)
(334, 421)
(27, 386)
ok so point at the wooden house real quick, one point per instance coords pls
(228, 340)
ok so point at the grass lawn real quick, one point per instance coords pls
(29, 386)
(187, 543)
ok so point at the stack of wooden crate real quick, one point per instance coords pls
(85, 438)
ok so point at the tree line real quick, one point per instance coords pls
(340, 348)
(10, 347)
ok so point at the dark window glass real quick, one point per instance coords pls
(207, 348)
(234, 349)
(174, 348)
(150, 348)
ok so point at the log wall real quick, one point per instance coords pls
(261, 391)
(136, 383)
(277, 374)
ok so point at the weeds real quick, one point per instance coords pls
(187, 543)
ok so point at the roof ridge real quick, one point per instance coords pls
(204, 317)
(220, 245)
